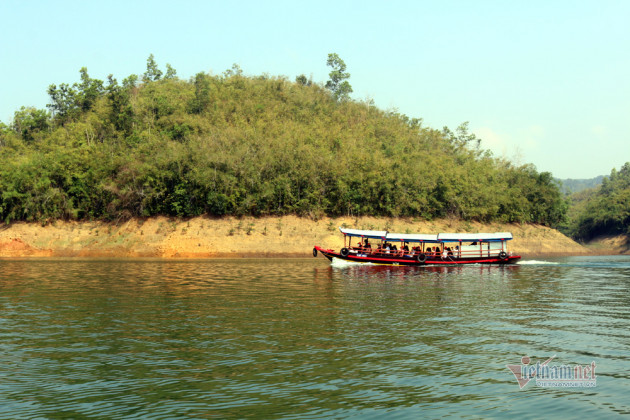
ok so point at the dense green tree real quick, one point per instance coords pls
(604, 210)
(131, 81)
(461, 137)
(88, 91)
(202, 93)
(233, 144)
(122, 113)
(4, 134)
(66, 101)
(63, 102)
(234, 71)
(338, 83)
(171, 73)
(302, 80)
(153, 73)
(28, 121)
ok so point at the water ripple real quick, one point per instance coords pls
(243, 338)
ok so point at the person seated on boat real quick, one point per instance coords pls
(379, 249)
(360, 246)
(387, 248)
(417, 250)
(450, 251)
(367, 248)
(457, 251)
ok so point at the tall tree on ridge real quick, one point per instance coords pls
(338, 82)
(153, 73)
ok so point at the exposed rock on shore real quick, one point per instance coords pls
(201, 237)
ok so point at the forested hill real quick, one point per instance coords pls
(572, 186)
(249, 145)
(604, 210)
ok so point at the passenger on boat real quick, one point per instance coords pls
(387, 248)
(437, 252)
(397, 252)
(450, 251)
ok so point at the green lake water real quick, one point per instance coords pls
(304, 339)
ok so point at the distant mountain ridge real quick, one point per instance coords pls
(571, 186)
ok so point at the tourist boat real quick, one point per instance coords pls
(420, 249)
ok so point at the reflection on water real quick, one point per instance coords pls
(237, 338)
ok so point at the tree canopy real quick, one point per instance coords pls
(338, 83)
(604, 210)
(234, 144)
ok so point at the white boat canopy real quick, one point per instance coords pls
(374, 234)
(411, 237)
(418, 237)
(474, 237)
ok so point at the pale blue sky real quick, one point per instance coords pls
(542, 82)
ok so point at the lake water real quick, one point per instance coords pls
(300, 338)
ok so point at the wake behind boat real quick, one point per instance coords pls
(421, 249)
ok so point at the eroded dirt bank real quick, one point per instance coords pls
(610, 244)
(202, 237)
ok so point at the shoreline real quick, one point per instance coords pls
(250, 256)
(247, 237)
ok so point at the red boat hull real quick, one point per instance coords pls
(409, 261)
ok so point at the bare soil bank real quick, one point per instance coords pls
(202, 237)
(618, 244)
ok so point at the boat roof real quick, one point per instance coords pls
(375, 234)
(474, 237)
(411, 237)
(418, 237)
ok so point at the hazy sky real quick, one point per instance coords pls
(542, 82)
